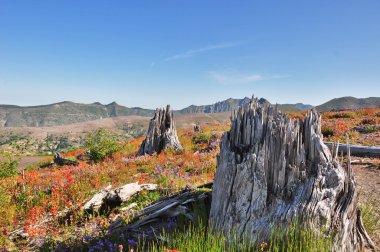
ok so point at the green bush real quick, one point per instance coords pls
(327, 130)
(371, 128)
(100, 144)
(8, 167)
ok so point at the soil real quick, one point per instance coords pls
(367, 174)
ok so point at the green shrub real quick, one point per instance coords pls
(100, 144)
(8, 167)
(327, 130)
(143, 199)
(371, 128)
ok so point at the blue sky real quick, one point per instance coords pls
(150, 53)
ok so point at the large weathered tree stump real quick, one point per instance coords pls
(161, 133)
(273, 171)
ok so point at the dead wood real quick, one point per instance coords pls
(161, 133)
(274, 171)
(357, 150)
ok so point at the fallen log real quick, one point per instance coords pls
(357, 150)
(162, 214)
(110, 198)
(60, 161)
(273, 172)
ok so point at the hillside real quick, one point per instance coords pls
(349, 102)
(118, 124)
(63, 113)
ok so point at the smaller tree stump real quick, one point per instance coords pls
(61, 161)
(197, 128)
(161, 133)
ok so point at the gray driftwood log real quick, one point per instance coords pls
(109, 198)
(273, 171)
(357, 150)
(161, 133)
(160, 215)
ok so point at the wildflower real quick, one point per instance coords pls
(171, 222)
(263, 245)
(87, 237)
(132, 242)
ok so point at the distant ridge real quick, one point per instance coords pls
(231, 104)
(349, 102)
(68, 112)
(63, 113)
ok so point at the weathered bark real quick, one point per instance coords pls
(272, 171)
(357, 150)
(161, 133)
(109, 198)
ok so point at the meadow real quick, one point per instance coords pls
(46, 203)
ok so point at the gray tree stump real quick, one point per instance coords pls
(161, 133)
(273, 171)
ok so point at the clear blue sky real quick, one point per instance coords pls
(150, 53)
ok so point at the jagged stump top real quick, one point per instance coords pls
(161, 133)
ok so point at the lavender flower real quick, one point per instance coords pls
(87, 237)
(132, 242)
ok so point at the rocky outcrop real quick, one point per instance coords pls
(273, 171)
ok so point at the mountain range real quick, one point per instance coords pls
(69, 112)
(349, 102)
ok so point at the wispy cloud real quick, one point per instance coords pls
(195, 52)
(234, 78)
(231, 78)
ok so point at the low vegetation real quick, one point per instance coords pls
(362, 126)
(59, 191)
(8, 166)
(49, 192)
(101, 144)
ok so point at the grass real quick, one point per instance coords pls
(198, 238)
(370, 215)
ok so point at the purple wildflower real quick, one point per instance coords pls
(132, 242)
(87, 237)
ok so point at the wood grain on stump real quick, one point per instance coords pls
(274, 171)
